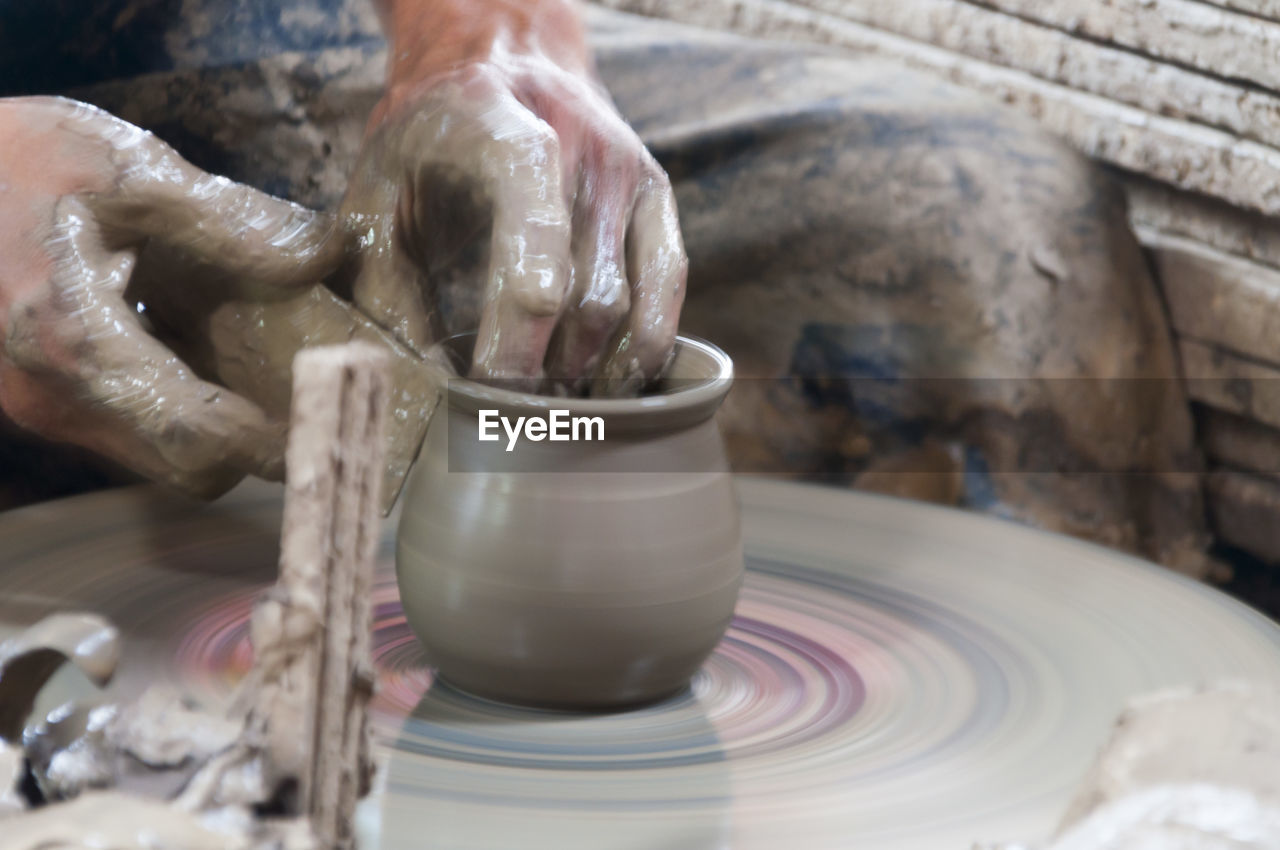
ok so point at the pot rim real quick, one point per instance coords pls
(695, 396)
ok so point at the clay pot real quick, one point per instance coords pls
(574, 573)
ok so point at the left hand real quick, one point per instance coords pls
(83, 196)
(503, 191)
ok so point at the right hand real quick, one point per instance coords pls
(80, 193)
(498, 188)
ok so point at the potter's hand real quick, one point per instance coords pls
(498, 187)
(80, 193)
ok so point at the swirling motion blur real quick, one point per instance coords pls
(811, 665)
(896, 677)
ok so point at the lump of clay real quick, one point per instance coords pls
(283, 770)
(165, 728)
(1193, 769)
(120, 821)
(1187, 816)
(152, 746)
(12, 772)
(30, 659)
(1184, 769)
(68, 750)
(126, 776)
(27, 662)
(1227, 735)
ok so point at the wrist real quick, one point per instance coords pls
(429, 38)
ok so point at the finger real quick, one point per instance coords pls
(167, 426)
(530, 271)
(657, 268)
(127, 396)
(389, 287)
(601, 297)
(157, 194)
(162, 420)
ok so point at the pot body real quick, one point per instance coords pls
(570, 574)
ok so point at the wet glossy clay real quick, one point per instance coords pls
(575, 574)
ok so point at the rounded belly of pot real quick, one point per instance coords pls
(566, 589)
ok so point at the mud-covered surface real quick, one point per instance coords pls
(156, 770)
(133, 773)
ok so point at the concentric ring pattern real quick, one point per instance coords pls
(896, 676)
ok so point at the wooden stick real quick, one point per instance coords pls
(312, 638)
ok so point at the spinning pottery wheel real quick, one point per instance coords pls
(897, 676)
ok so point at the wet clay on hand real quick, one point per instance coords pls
(81, 193)
(499, 189)
(294, 742)
(503, 194)
(248, 345)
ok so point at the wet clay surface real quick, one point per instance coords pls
(119, 765)
(30, 659)
(1191, 768)
(249, 346)
(83, 193)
